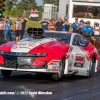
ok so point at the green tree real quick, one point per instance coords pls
(55, 2)
(26, 5)
(13, 11)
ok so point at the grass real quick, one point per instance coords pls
(34, 24)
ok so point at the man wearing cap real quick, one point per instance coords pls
(44, 23)
(8, 27)
(75, 25)
(87, 30)
(80, 27)
(96, 29)
(52, 26)
(95, 24)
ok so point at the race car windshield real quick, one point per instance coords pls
(59, 36)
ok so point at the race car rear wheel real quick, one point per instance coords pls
(59, 75)
(91, 68)
(6, 73)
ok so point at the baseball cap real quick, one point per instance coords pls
(95, 22)
(81, 20)
(87, 22)
(76, 18)
(7, 17)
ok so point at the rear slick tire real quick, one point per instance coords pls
(92, 68)
(6, 73)
(59, 75)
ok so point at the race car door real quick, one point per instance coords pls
(77, 58)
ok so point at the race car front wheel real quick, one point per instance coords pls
(59, 75)
(6, 73)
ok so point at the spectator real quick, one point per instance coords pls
(95, 24)
(67, 26)
(44, 24)
(32, 11)
(96, 29)
(87, 30)
(1, 31)
(24, 20)
(3, 19)
(18, 28)
(8, 27)
(59, 24)
(80, 27)
(35, 11)
(75, 25)
(52, 26)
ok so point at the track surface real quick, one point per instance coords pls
(69, 88)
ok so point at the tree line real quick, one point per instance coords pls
(16, 7)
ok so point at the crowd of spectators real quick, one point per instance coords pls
(59, 25)
(80, 27)
(6, 27)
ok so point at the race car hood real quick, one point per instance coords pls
(28, 44)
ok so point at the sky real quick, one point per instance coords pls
(39, 2)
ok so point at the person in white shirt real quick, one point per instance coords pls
(95, 24)
(97, 29)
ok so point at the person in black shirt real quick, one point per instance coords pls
(67, 26)
(44, 23)
(24, 20)
(59, 24)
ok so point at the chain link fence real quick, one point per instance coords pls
(42, 15)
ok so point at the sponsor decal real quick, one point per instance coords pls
(78, 58)
(78, 65)
(70, 65)
(48, 70)
(31, 45)
(55, 62)
(79, 61)
(14, 47)
(21, 44)
(55, 68)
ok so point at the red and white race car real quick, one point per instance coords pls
(50, 52)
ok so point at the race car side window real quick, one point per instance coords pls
(83, 42)
(86, 42)
(76, 41)
(80, 41)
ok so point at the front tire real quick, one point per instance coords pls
(6, 73)
(59, 75)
